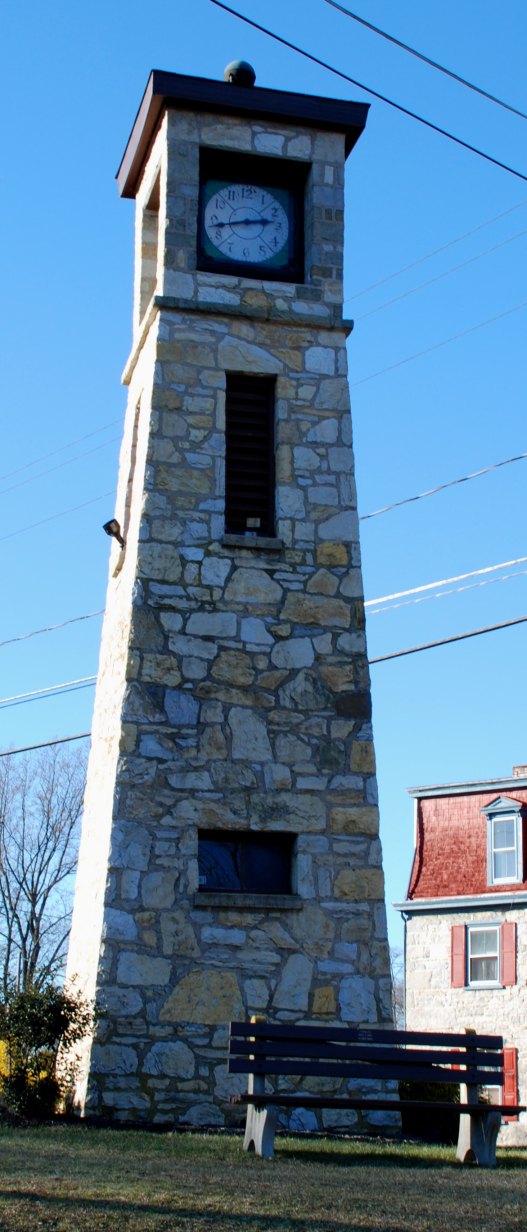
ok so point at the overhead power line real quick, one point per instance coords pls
(436, 251)
(440, 594)
(436, 345)
(45, 745)
(21, 483)
(400, 594)
(57, 689)
(51, 628)
(368, 90)
(431, 491)
(438, 277)
(379, 659)
(426, 59)
(444, 641)
(45, 456)
(54, 516)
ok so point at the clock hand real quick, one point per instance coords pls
(249, 222)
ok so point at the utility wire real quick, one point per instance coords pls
(74, 621)
(438, 277)
(436, 345)
(379, 659)
(50, 470)
(431, 492)
(46, 744)
(429, 586)
(440, 595)
(45, 456)
(54, 516)
(374, 93)
(444, 641)
(426, 59)
(401, 594)
(85, 681)
(76, 689)
(435, 253)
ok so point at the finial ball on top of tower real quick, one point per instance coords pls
(240, 73)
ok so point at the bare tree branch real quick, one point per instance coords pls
(397, 973)
(40, 810)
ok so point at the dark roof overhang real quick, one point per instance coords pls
(190, 93)
(516, 782)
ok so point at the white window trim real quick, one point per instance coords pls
(486, 925)
(498, 811)
(517, 836)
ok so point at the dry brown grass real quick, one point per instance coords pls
(90, 1180)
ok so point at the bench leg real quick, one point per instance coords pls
(477, 1138)
(260, 1130)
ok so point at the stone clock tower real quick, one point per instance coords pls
(230, 861)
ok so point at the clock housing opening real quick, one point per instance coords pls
(251, 216)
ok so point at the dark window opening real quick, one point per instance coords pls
(249, 476)
(244, 862)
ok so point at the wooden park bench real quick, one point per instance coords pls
(259, 1049)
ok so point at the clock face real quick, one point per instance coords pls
(248, 224)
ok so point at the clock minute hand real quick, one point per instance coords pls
(248, 222)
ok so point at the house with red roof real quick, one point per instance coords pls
(465, 922)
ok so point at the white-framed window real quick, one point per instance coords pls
(504, 842)
(504, 849)
(484, 946)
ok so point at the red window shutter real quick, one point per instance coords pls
(510, 1079)
(458, 956)
(508, 953)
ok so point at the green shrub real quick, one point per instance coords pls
(40, 1028)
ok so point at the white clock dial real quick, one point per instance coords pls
(246, 223)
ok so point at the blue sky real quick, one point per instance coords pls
(71, 81)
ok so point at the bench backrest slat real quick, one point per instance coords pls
(363, 1052)
(277, 1031)
(325, 1069)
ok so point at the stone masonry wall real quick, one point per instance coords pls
(492, 1011)
(235, 682)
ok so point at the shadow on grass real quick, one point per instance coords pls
(53, 1206)
(363, 1159)
(395, 1158)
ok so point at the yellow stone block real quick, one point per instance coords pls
(360, 884)
(332, 554)
(324, 1000)
(362, 757)
(160, 669)
(362, 819)
(339, 679)
(128, 738)
(204, 996)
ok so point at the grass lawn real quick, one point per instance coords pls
(87, 1180)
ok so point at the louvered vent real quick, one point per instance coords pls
(249, 479)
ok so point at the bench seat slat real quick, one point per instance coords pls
(405, 1073)
(260, 1030)
(367, 1105)
(363, 1052)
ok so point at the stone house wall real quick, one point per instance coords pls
(431, 1002)
(233, 687)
